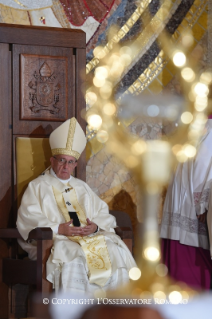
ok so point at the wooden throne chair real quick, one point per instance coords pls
(32, 158)
(42, 72)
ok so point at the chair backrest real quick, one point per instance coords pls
(122, 218)
(32, 158)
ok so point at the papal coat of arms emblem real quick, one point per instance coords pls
(44, 87)
(46, 91)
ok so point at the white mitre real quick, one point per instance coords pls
(68, 139)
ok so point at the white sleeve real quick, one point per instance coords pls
(30, 214)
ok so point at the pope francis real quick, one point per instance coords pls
(89, 255)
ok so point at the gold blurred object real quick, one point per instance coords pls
(151, 162)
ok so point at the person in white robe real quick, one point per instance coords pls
(184, 228)
(83, 258)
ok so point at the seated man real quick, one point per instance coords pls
(83, 257)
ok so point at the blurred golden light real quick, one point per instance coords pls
(116, 69)
(185, 295)
(156, 171)
(179, 59)
(109, 109)
(186, 117)
(125, 50)
(125, 59)
(139, 147)
(201, 118)
(181, 156)
(175, 297)
(99, 52)
(101, 73)
(152, 253)
(125, 55)
(146, 295)
(160, 296)
(189, 150)
(171, 112)
(161, 270)
(136, 292)
(91, 98)
(156, 286)
(187, 40)
(193, 134)
(201, 103)
(152, 188)
(176, 148)
(201, 89)
(188, 74)
(95, 121)
(131, 161)
(152, 163)
(191, 96)
(116, 66)
(98, 83)
(135, 273)
(106, 90)
(102, 136)
(113, 58)
(206, 77)
(199, 123)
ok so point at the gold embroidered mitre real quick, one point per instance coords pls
(68, 139)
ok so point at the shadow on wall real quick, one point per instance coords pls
(122, 201)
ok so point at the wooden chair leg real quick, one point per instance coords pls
(43, 252)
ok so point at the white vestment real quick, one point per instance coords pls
(67, 267)
(188, 196)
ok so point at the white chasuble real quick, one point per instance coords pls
(93, 246)
(100, 255)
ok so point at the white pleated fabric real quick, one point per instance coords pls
(72, 277)
(188, 196)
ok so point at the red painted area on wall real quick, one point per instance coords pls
(77, 11)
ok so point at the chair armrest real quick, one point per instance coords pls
(9, 233)
(40, 233)
(126, 235)
(124, 232)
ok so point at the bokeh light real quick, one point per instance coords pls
(135, 273)
(179, 59)
(152, 253)
(95, 121)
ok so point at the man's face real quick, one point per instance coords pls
(63, 165)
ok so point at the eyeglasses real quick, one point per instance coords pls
(63, 161)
